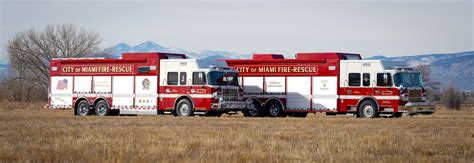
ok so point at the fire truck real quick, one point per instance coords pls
(334, 83)
(143, 83)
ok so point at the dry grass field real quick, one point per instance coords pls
(30, 132)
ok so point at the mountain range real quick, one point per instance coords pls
(150, 46)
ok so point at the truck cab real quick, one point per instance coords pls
(413, 97)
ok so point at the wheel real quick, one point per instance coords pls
(253, 108)
(185, 108)
(275, 110)
(83, 108)
(102, 108)
(397, 115)
(367, 109)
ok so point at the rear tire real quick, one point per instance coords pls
(184, 108)
(253, 109)
(368, 109)
(102, 108)
(275, 110)
(83, 108)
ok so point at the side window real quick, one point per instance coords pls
(365, 79)
(354, 79)
(199, 78)
(384, 79)
(172, 78)
(182, 78)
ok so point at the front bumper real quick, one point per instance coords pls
(229, 106)
(417, 107)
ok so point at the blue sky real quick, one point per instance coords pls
(368, 27)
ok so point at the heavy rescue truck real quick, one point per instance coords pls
(335, 83)
(143, 83)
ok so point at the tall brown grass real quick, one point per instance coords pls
(36, 134)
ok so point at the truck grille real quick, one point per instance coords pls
(230, 94)
(414, 95)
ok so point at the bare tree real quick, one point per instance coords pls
(30, 51)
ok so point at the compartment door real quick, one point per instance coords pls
(122, 92)
(146, 92)
(61, 91)
(324, 93)
(298, 93)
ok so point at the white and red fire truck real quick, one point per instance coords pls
(143, 83)
(335, 83)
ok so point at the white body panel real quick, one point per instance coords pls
(122, 91)
(102, 84)
(82, 84)
(253, 85)
(324, 93)
(275, 85)
(61, 91)
(146, 91)
(298, 93)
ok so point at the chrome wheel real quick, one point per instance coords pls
(102, 108)
(184, 109)
(82, 109)
(368, 111)
(252, 108)
(275, 110)
(253, 111)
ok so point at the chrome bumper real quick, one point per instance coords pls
(417, 107)
(229, 105)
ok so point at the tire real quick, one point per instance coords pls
(397, 115)
(102, 108)
(368, 109)
(83, 108)
(275, 110)
(253, 109)
(184, 108)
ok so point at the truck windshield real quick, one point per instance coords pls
(408, 79)
(223, 78)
